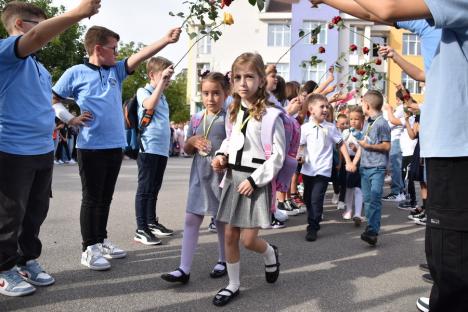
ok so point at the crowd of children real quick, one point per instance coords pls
(249, 155)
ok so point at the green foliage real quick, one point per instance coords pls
(62, 52)
(139, 78)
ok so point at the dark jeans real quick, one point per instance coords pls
(447, 233)
(99, 170)
(405, 172)
(314, 195)
(25, 187)
(151, 169)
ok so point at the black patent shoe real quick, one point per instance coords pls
(184, 278)
(221, 300)
(219, 273)
(271, 277)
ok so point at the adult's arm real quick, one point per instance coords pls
(396, 10)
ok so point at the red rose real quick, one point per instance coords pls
(374, 79)
(341, 85)
(321, 50)
(225, 3)
(365, 50)
(331, 25)
(353, 79)
(353, 47)
(406, 97)
(361, 72)
(378, 61)
(336, 20)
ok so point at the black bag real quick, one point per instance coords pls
(130, 108)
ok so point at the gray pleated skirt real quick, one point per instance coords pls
(242, 211)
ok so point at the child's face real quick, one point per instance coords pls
(213, 96)
(109, 51)
(271, 82)
(247, 82)
(318, 110)
(355, 120)
(342, 123)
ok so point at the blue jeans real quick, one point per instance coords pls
(396, 159)
(372, 182)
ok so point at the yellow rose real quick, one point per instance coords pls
(228, 19)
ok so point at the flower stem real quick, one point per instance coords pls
(357, 33)
(196, 41)
(290, 48)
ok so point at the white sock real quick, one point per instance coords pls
(269, 258)
(349, 199)
(233, 270)
(176, 273)
(357, 201)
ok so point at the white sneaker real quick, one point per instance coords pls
(423, 304)
(400, 197)
(341, 205)
(281, 215)
(72, 162)
(93, 259)
(109, 251)
(335, 199)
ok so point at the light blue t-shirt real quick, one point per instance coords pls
(26, 113)
(97, 90)
(156, 138)
(429, 35)
(444, 125)
(377, 131)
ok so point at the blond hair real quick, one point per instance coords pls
(157, 64)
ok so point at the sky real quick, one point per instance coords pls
(143, 21)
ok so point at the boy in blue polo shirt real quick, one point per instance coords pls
(96, 86)
(26, 145)
(374, 160)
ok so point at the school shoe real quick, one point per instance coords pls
(183, 278)
(109, 251)
(394, 197)
(287, 209)
(427, 278)
(12, 285)
(311, 235)
(341, 206)
(160, 230)
(93, 259)
(34, 274)
(424, 267)
(272, 277)
(221, 300)
(357, 221)
(146, 238)
(215, 273)
(423, 304)
(421, 220)
(277, 224)
(335, 198)
(369, 238)
(407, 205)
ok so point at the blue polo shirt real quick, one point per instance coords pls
(156, 138)
(430, 38)
(97, 90)
(26, 113)
(377, 131)
(444, 126)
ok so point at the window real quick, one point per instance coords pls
(315, 73)
(356, 37)
(279, 35)
(283, 70)
(410, 84)
(381, 85)
(411, 44)
(308, 26)
(204, 45)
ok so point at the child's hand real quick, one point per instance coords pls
(350, 167)
(245, 188)
(386, 52)
(88, 8)
(80, 121)
(173, 35)
(353, 147)
(167, 73)
(219, 163)
(199, 142)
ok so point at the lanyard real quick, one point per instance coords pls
(242, 125)
(205, 115)
(369, 127)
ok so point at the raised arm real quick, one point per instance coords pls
(391, 117)
(412, 70)
(351, 8)
(396, 10)
(45, 31)
(136, 59)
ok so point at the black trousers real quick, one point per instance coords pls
(314, 194)
(99, 170)
(447, 233)
(151, 168)
(25, 187)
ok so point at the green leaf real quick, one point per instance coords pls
(192, 35)
(260, 4)
(171, 13)
(253, 2)
(301, 33)
(317, 30)
(180, 14)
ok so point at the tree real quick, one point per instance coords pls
(62, 52)
(176, 96)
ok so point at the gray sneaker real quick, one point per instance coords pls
(93, 259)
(109, 251)
(34, 274)
(11, 284)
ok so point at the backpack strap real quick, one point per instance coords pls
(144, 122)
(268, 124)
(196, 120)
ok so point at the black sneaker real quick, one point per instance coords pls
(369, 238)
(146, 237)
(407, 205)
(311, 236)
(424, 267)
(286, 208)
(160, 230)
(427, 278)
(277, 224)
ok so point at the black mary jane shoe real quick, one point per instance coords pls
(219, 273)
(271, 277)
(184, 278)
(221, 300)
